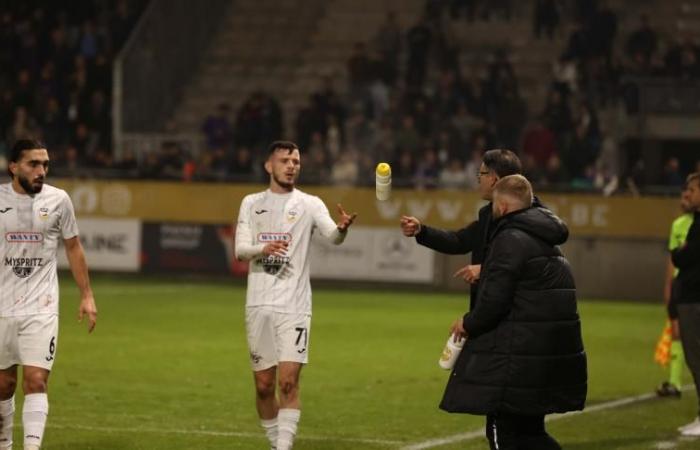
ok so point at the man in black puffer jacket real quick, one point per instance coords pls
(524, 355)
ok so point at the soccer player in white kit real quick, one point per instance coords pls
(274, 233)
(33, 218)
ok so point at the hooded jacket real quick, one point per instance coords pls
(472, 238)
(524, 353)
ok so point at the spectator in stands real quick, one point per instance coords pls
(509, 118)
(122, 21)
(539, 143)
(241, 166)
(565, 76)
(642, 42)
(447, 96)
(68, 163)
(360, 72)
(557, 115)
(23, 126)
(53, 122)
(419, 40)
(427, 170)
(360, 132)
(309, 120)
(555, 174)
(578, 45)
(24, 90)
(407, 137)
(329, 103)
(171, 161)
(217, 128)
(271, 118)
(469, 7)
(534, 172)
(388, 42)
(89, 45)
(99, 119)
(672, 176)
(84, 140)
(423, 118)
(345, 169)
(259, 121)
(213, 163)
(454, 176)
(603, 31)
(546, 20)
(464, 124)
(403, 168)
(316, 167)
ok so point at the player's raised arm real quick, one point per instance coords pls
(334, 232)
(345, 219)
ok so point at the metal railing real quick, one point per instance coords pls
(159, 57)
(142, 144)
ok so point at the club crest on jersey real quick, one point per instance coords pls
(23, 267)
(23, 237)
(292, 216)
(43, 213)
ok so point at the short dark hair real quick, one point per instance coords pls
(21, 146)
(502, 162)
(282, 145)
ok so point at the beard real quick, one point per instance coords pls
(30, 188)
(284, 184)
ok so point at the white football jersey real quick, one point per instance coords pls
(31, 228)
(281, 282)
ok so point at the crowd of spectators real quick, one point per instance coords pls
(56, 76)
(410, 102)
(409, 99)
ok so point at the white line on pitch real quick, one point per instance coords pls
(432, 443)
(242, 434)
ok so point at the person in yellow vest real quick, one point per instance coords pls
(669, 351)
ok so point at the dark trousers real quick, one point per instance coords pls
(516, 432)
(689, 324)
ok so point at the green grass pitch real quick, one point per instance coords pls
(167, 368)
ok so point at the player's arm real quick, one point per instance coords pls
(668, 280)
(332, 231)
(497, 287)
(79, 268)
(458, 242)
(245, 247)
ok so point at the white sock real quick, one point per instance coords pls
(287, 421)
(34, 412)
(7, 415)
(270, 427)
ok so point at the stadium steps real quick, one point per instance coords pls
(256, 48)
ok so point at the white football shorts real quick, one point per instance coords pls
(28, 340)
(275, 337)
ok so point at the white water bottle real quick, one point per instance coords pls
(451, 352)
(383, 181)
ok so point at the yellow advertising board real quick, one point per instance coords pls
(586, 215)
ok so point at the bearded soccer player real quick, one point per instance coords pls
(33, 218)
(274, 233)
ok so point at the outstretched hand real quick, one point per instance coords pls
(345, 219)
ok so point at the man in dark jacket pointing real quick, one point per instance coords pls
(524, 354)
